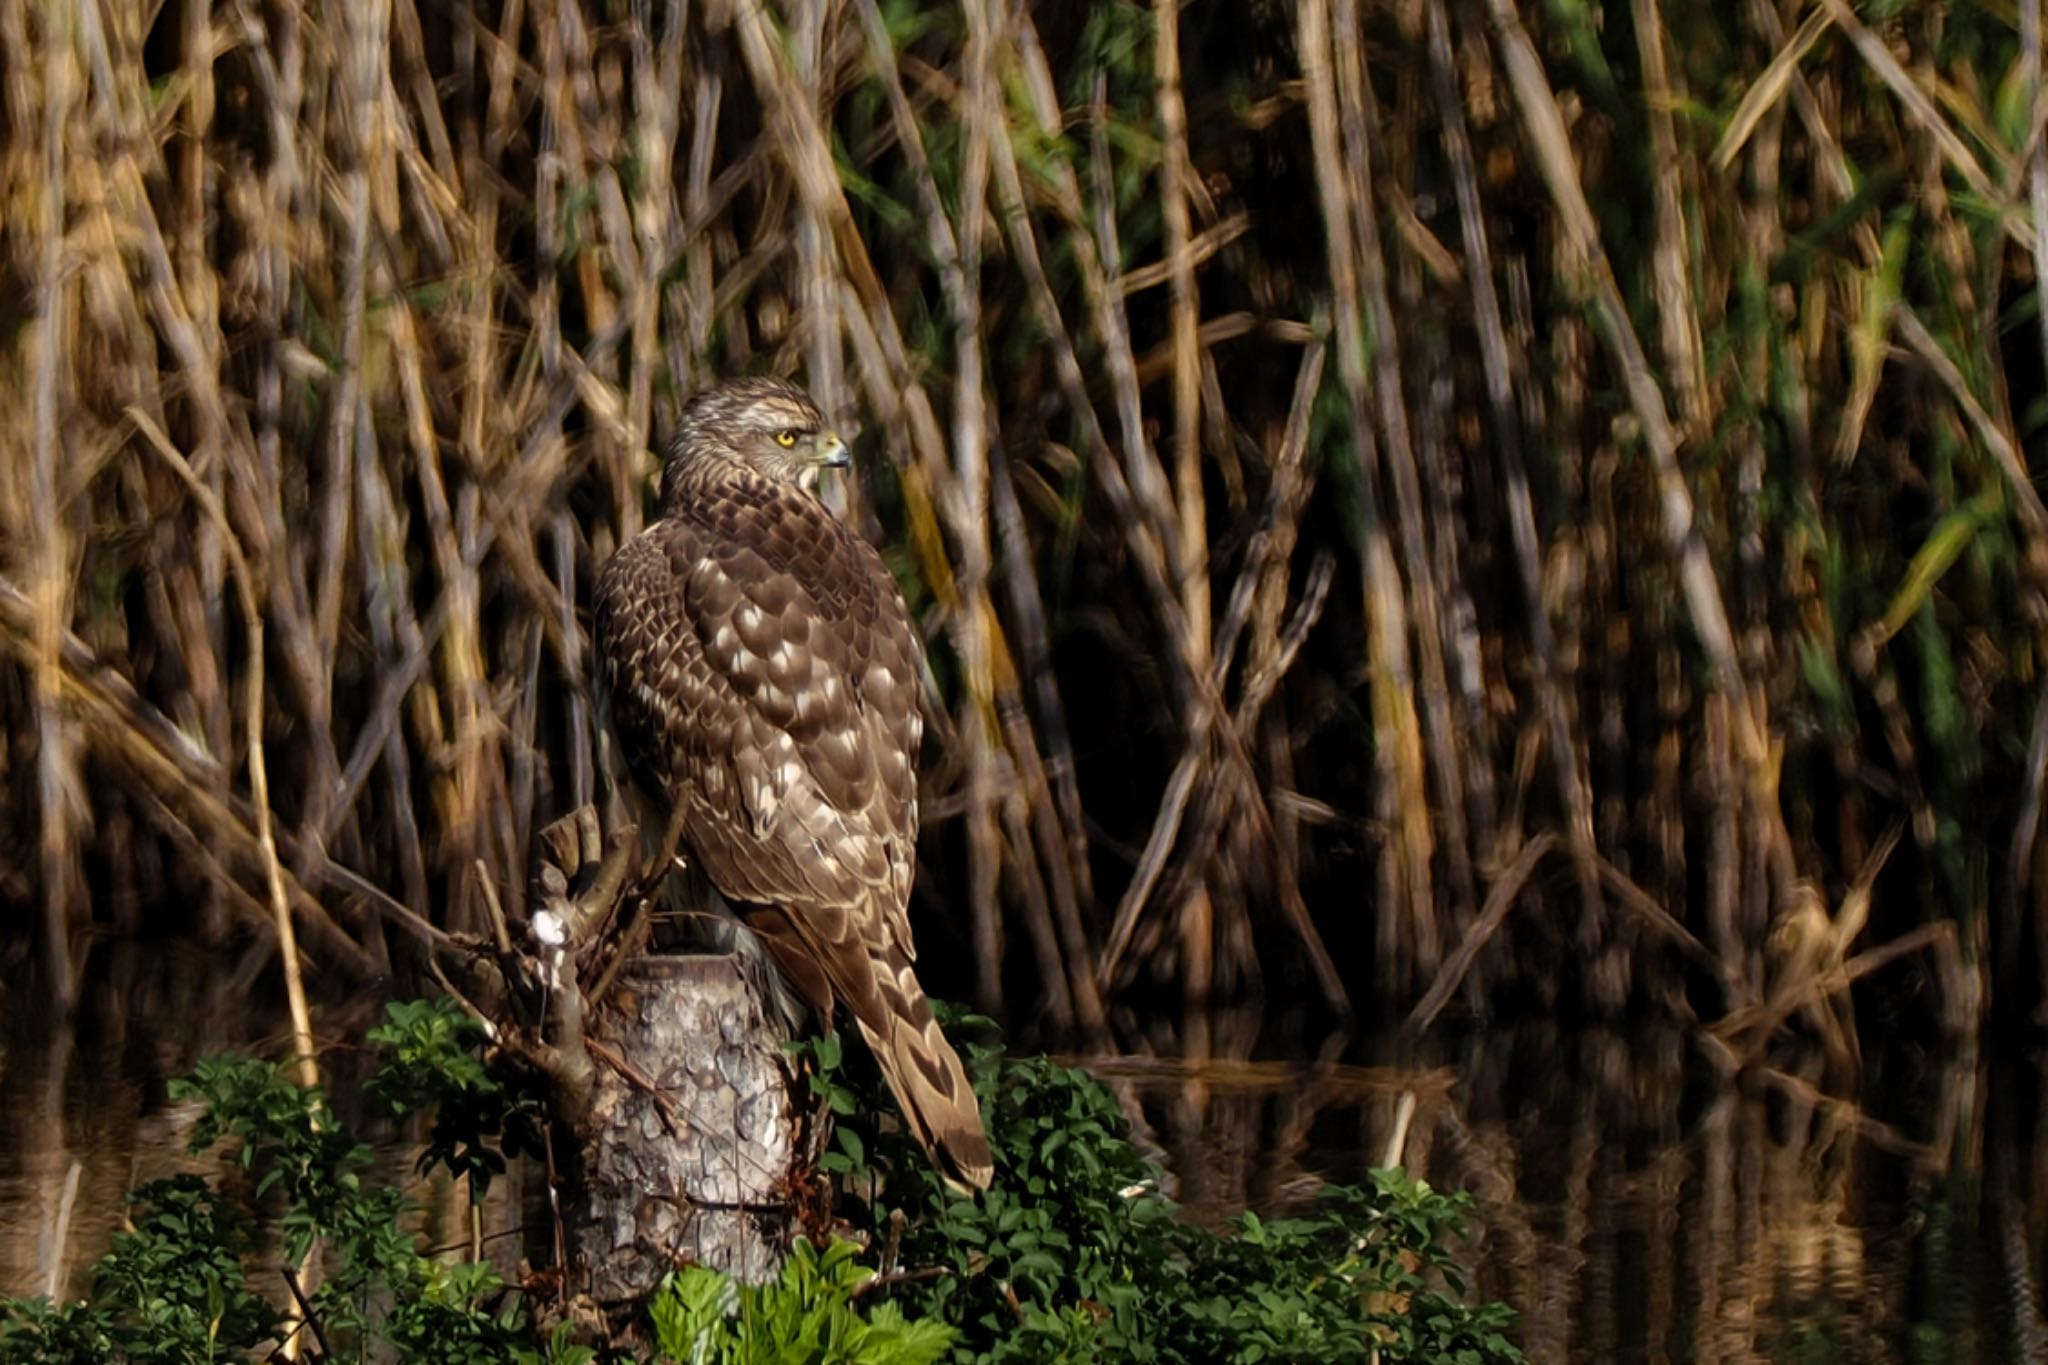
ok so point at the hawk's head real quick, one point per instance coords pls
(767, 425)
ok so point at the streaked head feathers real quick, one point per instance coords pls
(768, 425)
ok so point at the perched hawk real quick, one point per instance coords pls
(761, 673)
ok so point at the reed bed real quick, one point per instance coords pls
(1437, 501)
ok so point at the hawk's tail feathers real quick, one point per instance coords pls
(929, 1083)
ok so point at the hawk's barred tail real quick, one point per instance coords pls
(925, 1073)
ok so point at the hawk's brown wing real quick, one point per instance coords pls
(761, 670)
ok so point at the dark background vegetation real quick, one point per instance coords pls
(1408, 502)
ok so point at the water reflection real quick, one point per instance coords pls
(1635, 1203)
(86, 1115)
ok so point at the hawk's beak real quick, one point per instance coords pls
(832, 451)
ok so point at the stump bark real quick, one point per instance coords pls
(688, 1145)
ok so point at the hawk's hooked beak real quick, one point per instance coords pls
(831, 451)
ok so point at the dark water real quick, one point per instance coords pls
(1635, 1202)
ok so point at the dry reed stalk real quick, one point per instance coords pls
(1954, 150)
(1265, 558)
(199, 288)
(164, 761)
(1770, 85)
(1196, 911)
(1761, 237)
(1724, 911)
(49, 556)
(1551, 143)
(1358, 118)
(1102, 282)
(1151, 532)
(1995, 433)
(1401, 791)
(1567, 763)
(259, 771)
(1175, 172)
(411, 294)
(1291, 487)
(1506, 889)
(1061, 762)
(1678, 309)
(1172, 553)
(2036, 160)
(1700, 586)
(1198, 841)
(1259, 599)
(1061, 844)
(816, 272)
(969, 508)
(1022, 582)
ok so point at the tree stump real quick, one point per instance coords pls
(666, 1072)
(690, 1138)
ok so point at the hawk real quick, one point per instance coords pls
(761, 674)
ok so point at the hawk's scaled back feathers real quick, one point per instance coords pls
(762, 672)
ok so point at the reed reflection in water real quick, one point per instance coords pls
(1633, 1203)
(86, 1115)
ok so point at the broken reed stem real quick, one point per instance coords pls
(1500, 899)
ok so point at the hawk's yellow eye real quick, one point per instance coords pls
(785, 438)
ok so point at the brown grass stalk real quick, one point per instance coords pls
(1357, 119)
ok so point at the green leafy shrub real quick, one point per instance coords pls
(1071, 1256)
(432, 1065)
(1340, 1281)
(172, 1289)
(1074, 1255)
(175, 1288)
(806, 1316)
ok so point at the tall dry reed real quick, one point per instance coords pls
(1405, 500)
